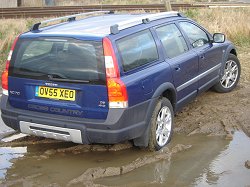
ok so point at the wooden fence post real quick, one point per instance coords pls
(168, 6)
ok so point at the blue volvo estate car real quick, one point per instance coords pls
(108, 78)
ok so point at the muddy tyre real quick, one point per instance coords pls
(231, 75)
(161, 125)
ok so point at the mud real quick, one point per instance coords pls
(22, 180)
(79, 149)
(247, 164)
(29, 140)
(95, 148)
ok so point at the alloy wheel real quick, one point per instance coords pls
(164, 125)
(230, 74)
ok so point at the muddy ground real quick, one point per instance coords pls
(213, 120)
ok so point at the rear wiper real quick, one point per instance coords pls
(61, 78)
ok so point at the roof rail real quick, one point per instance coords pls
(114, 29)
(69, 18)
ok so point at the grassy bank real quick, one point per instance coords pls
(9, 29)
(235, 23)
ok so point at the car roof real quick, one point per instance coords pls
(94, 26)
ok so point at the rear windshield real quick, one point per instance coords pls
(59, 59)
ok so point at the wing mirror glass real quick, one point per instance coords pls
(219, 38)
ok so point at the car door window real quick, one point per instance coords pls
(137, 50)
(196, 35)
(172, 40)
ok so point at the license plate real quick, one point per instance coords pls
(55, 93)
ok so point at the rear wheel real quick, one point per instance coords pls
(161, 125)
(231, 75)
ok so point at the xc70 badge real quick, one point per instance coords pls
(12, 92)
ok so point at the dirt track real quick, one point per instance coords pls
(219, 114)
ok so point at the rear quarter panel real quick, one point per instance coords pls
(142, 84)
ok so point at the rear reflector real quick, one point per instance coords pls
(6, 70)
(117, 91)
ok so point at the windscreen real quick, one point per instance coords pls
(59, 59)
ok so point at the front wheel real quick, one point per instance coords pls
(231, 75)
(161, 125)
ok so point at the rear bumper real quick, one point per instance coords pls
(120, 125)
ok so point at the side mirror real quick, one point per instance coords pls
(218, 38)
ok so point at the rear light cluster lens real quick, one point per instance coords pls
(117, 94)
(117, 91)
(6, 70)
(5, 79)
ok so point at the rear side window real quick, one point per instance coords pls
(172, 40)
(137, 50)
(59, 58)
(196, 35)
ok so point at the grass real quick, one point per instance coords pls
(234, 22)
(9, 29)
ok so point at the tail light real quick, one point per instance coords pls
(117, 91)
(6, 70)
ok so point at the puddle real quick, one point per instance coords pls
(210, 161)
(7, 154)
(61, 168)
(227, 169)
